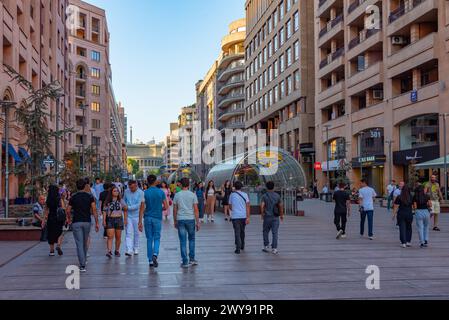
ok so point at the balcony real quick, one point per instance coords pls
(234, 82)
(232, 70)
(226, 115)
(412, 56)
(235, 125)
(363, 42)
(227, 59)
(323, 6)
(365, 79)
(230, 98)
(331, 29)
(331, 62)
(409, 12)
(331, 95)
(80, 93)
(425, 96)
(358, 8)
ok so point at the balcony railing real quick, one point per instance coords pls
(362, 37)
(331, 57)
(354, 5)
(322, 2)
(81, 93)
(330, 25)
(403, 9)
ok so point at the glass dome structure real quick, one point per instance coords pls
(257, 167)
(184, 172)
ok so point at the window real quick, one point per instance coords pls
(296, 21)
(289, 57)
(95, 107)
(296, 50)
(265, 55)
(96, 124)
(95, 55)
(275, 18)
(282, 62)
(371, 142)
(276, 43)
(270, 98)
(270, 74)
(81, 51)
(95, 90)
(289, 29)
(282, 87)
(281, 37)
(265, 78)
(419, 132)
(270, 50)
(95, 73)
(289, 85)
(289, 5)
(297, 79)
(281, 10)
(269, 25)
(96, 141)
(276, 94)
(276, 69)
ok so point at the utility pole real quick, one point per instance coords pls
(445, 156)
(327, 155)
(83, 164)
(7, 105)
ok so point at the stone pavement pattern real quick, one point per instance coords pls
(312, 265)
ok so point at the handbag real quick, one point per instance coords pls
(61, 215)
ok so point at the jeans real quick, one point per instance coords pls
(423, 224)
(405, 227)
(132, 233)
(340, 220)
(201, 208)
(270, 223)
(153, 233)
(81, 232)
(389, 200)
(239, 232)
(186, 228)
(363, 215)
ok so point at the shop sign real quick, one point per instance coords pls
(318, 166)
(369, 161)
(306, 148)
(418, 155)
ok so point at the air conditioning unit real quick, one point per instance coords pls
(398, 40)
(378, 94)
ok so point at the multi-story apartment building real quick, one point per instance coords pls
(381, 80)
(94, 104)
(171, 152)
(279, 85)
(33, 39)
(185, 123)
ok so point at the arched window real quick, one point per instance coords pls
(419, 132)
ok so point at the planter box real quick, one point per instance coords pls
(300, 213)
(14, 233)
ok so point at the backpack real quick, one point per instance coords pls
(276, 211)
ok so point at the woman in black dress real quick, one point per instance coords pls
(226, 191)
(54, 226)
(403, 209)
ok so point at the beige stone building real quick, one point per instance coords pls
(279, 85)
(185, 123)
(34, 42)
(148, 156)
(171, 150)
(94, 104)
(382, 79)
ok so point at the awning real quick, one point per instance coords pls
(434, 164)
(24, 154)
(13, 153)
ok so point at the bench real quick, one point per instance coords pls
(11, 231)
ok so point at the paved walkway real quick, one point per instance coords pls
(312, 265)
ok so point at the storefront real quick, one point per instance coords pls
(418, 143)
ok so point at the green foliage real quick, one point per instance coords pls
(133, 166)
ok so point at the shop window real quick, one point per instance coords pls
(419, 132)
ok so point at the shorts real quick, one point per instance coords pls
(436, 207)
(115, 223)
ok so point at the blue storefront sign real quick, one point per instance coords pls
(414, 96)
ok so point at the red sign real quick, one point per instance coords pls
(318, 166)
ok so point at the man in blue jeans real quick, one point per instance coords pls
(366, 201)
(155, 203)
(186, 220)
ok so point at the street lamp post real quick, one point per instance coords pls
(83, 107)
(7, 105)
(327, 155)
(361, 134)
(390, 162)
(445, 156)
(92, 131)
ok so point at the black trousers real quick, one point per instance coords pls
(405, 227)
(340, 221)
(239, 233)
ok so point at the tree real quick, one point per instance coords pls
(31, 115)
(72, 171)
(133, 166)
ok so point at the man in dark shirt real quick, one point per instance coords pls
(272, 213)
(103, 196)
(82, 205)
(342, 210)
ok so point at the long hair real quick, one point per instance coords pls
(420, 196)
(53, 197)
(406, 196)
(227, 184)
(209, 186)
(110, 196)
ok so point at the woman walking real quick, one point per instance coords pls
(199, 191)
(422, 203)
(116, 214)
(55, 219)
(210, 201)
(403, 209)
(226, 191)
(166, 189)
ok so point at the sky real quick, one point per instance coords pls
(159, 50)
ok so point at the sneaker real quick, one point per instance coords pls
(109, 254)
(128, 254)
(51, 254)
(371, 238)
(275, 251)
(212, 220)
(83, 269)
(184, 266)
(237, 251)
(60, 253)
(266, 249)
(422, 245)
(339, 234)
(436, 229)
(343, 236)
(193, 262)
(426, 244)
(408, 244)
(136, 252)
(117, 254)
(155, 263)
(404, 245)
(151, 265)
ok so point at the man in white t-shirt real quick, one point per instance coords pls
(366, 201)
(390, 189)
(240, 213)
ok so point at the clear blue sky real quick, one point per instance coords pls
(159, 50)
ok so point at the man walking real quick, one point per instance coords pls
(342, 210)
(135, 200)
(98, 188)
(240, 215)
(272, 212)
(155, 203)
(366, 201)
(82, 206)
(187, 221)
(434, 192)
(390, 190)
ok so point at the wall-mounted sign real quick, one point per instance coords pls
(317, 166)
(369, 161)
(414, 96)
(418, 155)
